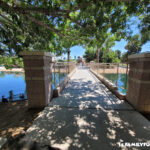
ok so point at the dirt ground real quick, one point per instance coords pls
(15, 117)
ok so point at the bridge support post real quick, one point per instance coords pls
(138, 91)
(38, 73)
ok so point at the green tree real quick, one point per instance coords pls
(90, 54)
(124, 57)
(110, 56)
(118, 52)
(134, 45)
(10, 62)
(46, 24)
(106, 56)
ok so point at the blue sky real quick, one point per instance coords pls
(76, 51)
(121, 44)
(79, 50)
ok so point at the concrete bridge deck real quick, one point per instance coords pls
(88, 117)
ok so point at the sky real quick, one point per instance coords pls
(76, 51)
(119, 45)
(79, 50)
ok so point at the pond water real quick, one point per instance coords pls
(16, 82)
(55, 81)
(121, 79)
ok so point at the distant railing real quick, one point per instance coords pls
(117, 73)
(60, 72)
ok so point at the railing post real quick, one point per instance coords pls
(97, 68)
(59, 74)
(103, 69)
(117, 74)
(100, 68)
(126, 76)
(54, 75)
(66, 69)
(38, 76)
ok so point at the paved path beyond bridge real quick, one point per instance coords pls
(88, 117)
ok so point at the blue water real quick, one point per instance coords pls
(16, 83)
(120, 81)
(57, 79)
(12, 81)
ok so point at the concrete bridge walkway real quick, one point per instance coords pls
(88, 117)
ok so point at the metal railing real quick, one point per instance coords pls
(117, 73)
(60, 71)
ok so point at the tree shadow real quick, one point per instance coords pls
(73, 128)
(87, 116)
(16, 116)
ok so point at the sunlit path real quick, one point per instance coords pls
(87, 116)
(86, 91)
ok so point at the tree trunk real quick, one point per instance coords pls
(98, 54)
(68, 54)
(68, 59)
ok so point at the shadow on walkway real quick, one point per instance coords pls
(87, 116)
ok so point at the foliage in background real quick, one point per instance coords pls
(11, 62)
(124, 57)
(71, 60)
(106, 56)
(110, 56)
(118, 53)
(90, 54)
(133, 46)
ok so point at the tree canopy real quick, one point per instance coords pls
(53, 25)
(106, 55)
(134, 45)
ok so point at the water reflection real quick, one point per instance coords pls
(12, 82)
(15, 81)
(121, 79)
(57, 79)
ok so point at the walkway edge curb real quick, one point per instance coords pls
(62, 85)
(110, 86)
